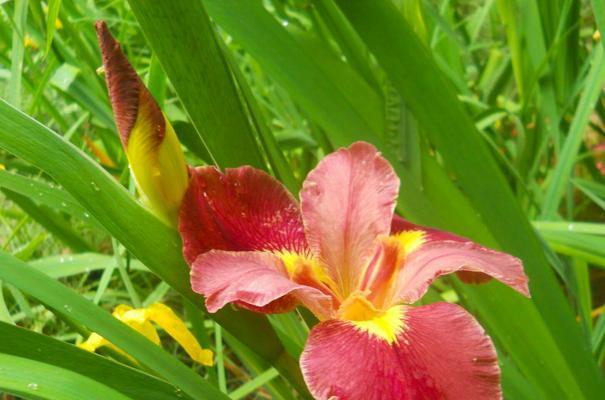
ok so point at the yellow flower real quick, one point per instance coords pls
(140, 320)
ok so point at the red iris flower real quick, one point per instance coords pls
(344, 255)
(341, 253)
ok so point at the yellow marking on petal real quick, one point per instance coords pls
(383, 324)
(158, 166)
(381, 272)
(408, 241)
(140, 320)
(306, 270)
(386, 326)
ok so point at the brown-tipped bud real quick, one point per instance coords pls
(151, 145)
(126, 90)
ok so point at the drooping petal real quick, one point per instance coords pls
(254, 280)
(140, 320)
(445, 253)
(430, 234)
(347, 201)
(242, 209)
(153, 150)
(176, 328)
(440, 353)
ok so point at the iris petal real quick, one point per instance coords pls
(254, 280)
(440, 353)
(242, 209)
(445, 253)
(347, 201)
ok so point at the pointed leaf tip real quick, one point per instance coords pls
(126, 90)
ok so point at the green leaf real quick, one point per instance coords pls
(33, 379)
(43, 193)
(43, 349)
(14, 88)
(201, 77)
(343, 102)
(64, 266)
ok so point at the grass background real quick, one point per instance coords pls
(491, 112)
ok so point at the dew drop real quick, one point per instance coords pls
(570, 227)
(67, 308)
(63, 204)
(32, 386)
(86, 215)
(95, 187)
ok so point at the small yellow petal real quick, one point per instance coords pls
(93, 342)
(140, 320)
(176, 328)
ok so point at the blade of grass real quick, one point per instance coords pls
(51, 23)
(17, 52)
(34, 379)
(253, 384)
(560, 176)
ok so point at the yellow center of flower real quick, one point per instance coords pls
(383, 324)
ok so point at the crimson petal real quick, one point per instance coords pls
(242, 209)
(441, 353)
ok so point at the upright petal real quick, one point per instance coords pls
(153, 150)
(440, 353)
(445, 253)
(242, 209)
(347, 201)
(254, 280)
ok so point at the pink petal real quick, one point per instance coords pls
(254, 280)
(442, 353)
(241, 209)
(445, 253)
(347, 201)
